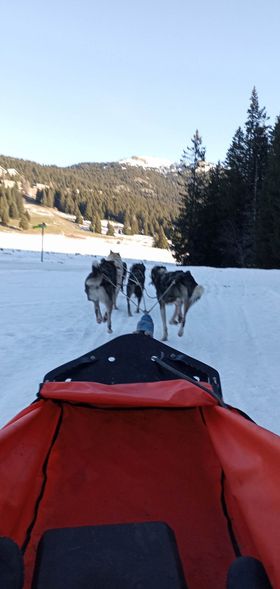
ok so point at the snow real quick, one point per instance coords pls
(129, 246)
(46, 320)
(147, 162)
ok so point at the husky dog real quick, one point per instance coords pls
(116, 259)
(175, 287)
(124, 274)
(135, 285)
(100, 288)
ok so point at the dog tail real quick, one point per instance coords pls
(197, 293)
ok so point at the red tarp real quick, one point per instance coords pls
(143, 452)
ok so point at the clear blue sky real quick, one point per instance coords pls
(88, 80)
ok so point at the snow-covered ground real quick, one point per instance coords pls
(129, 246)
(46, 320)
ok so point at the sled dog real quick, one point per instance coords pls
(116, 259)
(135, 285)
(175, 287)
(100, 288)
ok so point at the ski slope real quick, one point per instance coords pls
(47, 320)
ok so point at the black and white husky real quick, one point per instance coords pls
(175, 287)
(135, 285)
(100, 287)
(116, 258)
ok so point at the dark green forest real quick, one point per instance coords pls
(231, 216)
(12, 207)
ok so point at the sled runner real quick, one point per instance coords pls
(131, 470)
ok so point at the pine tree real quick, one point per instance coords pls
(9, 196)
(110, 229)
(134, 228)
(269, 213)
(156, 226)
(50, 198)
(43, 197)
(70, 206)
(211, 219)
(92, 226)
(18, 200)
(26, 186)
(256, 140)
(98, 227)
(160, 240)
(39, 196)
(233, 227)
(88, 212)
(185, 235)
(13, 211)
(23, 223)
(4, 210)
(57, 200)
(146, 227)
(151, 230)
(79, 218)
(126, 225)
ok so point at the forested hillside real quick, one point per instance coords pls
(142, 199)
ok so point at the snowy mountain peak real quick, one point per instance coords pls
(147, 162)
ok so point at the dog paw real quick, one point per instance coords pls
(164, 338)
(99, 320)
(173, 322)
(109, 330)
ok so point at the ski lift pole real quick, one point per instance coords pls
(42, 227)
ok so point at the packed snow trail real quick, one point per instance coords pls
(46, 320)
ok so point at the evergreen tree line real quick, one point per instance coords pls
(142, 199)
(86, 206)
(231, 215)
(11, 207)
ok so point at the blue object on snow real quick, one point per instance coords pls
(146, 325)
